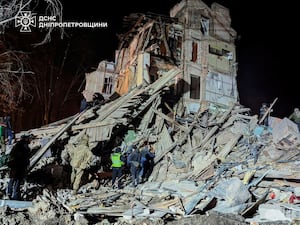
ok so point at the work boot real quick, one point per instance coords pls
(7, 197)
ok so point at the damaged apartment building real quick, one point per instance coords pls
(196, 38)
(173, 84)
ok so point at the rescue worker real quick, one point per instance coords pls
(98, 99)
(133, 160)
(118, 161)
(2, 126)
(295, 117)
(80, 159)
(83, 105)
(262, 111)
(18, 163)
(146, 158)
(8, 130)
(149, 164)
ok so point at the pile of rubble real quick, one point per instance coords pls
(218, 161)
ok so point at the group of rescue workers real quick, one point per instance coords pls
(135, 159)
(138, 160)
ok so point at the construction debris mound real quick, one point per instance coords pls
(217, 162)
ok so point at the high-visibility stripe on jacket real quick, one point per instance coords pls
(116, 160)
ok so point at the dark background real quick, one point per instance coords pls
(264, 44)
(266, 49)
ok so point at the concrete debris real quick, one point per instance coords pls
(226, 168)
(15, 204)
(286, 133)
(212, 157)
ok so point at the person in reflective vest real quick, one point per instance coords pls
(118, 161)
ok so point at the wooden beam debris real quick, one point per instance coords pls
(35, 158)
(170, 120)
(268, 111)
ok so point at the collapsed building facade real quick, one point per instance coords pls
(195, 38)
(174, 80)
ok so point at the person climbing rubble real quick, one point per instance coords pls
(265, 112)
(8, 130)
(98, 99)
(149, 163)
(147, 156)
(118, 161)
(295, 117)
(262, 111)
(19, 159)
(2, 126)
(80, 157)
(134, 164)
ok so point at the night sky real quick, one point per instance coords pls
(264, 44)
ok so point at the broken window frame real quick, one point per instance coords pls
(195, 82)
(220, 52)
(107, 85)
(194, 56)
(204, 28)
(215, 51)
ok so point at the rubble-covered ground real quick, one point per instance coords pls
(215, 166)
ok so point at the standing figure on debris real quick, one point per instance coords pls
(80, 159)
(295, 117)
(2, 125)
(98, 99)
(146, 156)
(118, 161)
(130, 136)
(128, 151)
(262, 111)
(8, 130)
(19, 160)
(83, 104)
(149, 165)
(134, 164)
